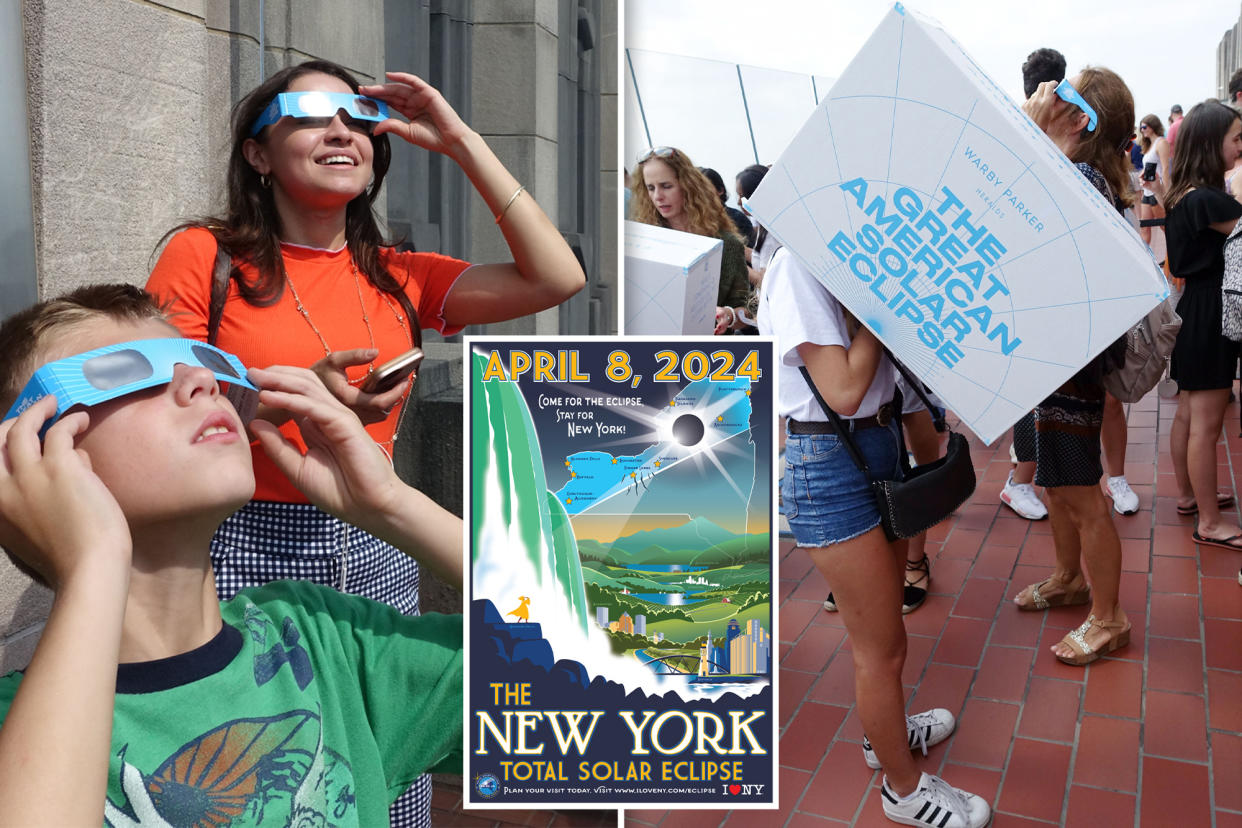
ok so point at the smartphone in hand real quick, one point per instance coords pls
(393, 372)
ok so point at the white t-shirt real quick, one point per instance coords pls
(1153, 157)
(795, 308)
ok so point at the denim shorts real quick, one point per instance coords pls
(826, 498)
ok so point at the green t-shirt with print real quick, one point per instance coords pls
(309, 708)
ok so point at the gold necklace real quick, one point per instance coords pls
(297, 301)
(388, 445)
(366, 319)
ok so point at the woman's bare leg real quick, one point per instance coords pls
(1207, 414)
(1085, 508)
(1024, 472)
(866, 575)
(1179, 437)
(924, 444)
(1113, 436)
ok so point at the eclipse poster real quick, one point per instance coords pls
(619, 621)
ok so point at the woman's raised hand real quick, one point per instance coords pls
(1044, 106)
(432, 124)
(1061, 121)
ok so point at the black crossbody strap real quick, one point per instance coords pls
(843, 431)
(917, 387)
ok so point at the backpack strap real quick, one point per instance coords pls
(220, 273)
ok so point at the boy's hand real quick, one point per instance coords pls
(55, 513)
(59, 517)
(342, 472)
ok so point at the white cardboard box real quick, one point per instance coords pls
(671, 280)
(943, 218)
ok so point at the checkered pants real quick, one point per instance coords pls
(267, 541)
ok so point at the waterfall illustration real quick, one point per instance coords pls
(525, 542)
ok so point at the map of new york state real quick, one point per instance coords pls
(706, 412)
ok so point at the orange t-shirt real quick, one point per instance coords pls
(279, 335)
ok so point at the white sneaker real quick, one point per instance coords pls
(936, 803)
(923, 729)
(1125, 501)
(1022, 499)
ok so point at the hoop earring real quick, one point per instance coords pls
(266, 182)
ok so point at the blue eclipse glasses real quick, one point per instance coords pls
(1066, 92)
(324, 105)
(114, 371)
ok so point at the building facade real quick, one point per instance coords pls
(1228, 57)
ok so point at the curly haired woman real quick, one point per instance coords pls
(669, 191)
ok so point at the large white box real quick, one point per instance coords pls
(671, 280)
(943, 218)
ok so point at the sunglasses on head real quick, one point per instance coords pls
(1066, 92)
(325, 105)
(114, 371)
(657, 152)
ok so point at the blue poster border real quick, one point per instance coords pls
(540, 729)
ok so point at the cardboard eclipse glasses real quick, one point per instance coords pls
(1066, 92)
(114, 371)
(322, 105)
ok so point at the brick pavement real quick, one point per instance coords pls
(1151, 736)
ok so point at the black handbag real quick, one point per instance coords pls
(928, 493)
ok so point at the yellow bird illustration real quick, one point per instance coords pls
(522, 611)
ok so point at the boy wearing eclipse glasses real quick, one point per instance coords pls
(148, 699)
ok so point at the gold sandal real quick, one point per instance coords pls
(1083, 652)
(1031, 600)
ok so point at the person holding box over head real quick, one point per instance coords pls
(834, 517)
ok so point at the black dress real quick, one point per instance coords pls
(1203, 358)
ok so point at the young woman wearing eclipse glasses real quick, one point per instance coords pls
(311, 281)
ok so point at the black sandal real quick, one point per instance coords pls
(914, 595)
